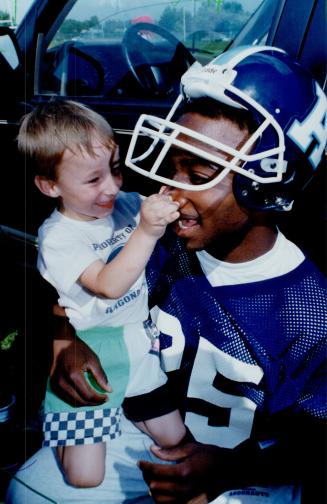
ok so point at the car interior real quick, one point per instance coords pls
(135, 70)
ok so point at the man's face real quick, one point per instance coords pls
(210, 215)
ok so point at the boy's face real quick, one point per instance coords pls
(88, 185)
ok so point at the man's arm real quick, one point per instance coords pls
(71, 359)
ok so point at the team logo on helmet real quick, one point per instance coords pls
(311, 133)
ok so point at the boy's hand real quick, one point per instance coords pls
(157, 211)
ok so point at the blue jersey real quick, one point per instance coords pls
(239, 356)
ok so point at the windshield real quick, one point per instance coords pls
(12, 11)
(206, 27)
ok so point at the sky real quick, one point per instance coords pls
(21, 6)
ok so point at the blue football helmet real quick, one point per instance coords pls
(279, 158)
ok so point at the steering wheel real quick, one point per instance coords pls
(86, 77)
(145, 59)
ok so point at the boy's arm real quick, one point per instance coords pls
(71, 358)
(112, 280)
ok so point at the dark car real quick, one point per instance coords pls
(125, 60)
(122, 59)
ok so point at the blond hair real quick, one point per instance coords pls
(52, 128)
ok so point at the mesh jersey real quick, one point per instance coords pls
(241, 353)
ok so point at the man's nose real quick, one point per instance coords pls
(166, 190)
(175, 193)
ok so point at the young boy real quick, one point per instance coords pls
(93, 249)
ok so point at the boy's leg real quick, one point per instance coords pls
(167, 430)
(41, 481)
(83, 465)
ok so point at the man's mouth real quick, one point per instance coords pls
(186, 223)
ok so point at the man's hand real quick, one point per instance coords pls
(196, 477)
(72, 358)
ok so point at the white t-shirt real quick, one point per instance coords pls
(67, 247)
(281, 259)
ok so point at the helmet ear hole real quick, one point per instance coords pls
(262, 197)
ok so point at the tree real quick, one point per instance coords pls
(175, 20)
(71, 28)
(233, 7)
(113, 26)
(230, 19)
(4, 15)
(169, 18)
(91, 23)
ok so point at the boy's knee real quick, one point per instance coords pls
(80, 479)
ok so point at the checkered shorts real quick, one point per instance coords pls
(81, 427)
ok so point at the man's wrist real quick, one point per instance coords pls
(62, 329)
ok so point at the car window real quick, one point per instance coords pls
(110, 49)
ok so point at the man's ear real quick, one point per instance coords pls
(47, 186)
